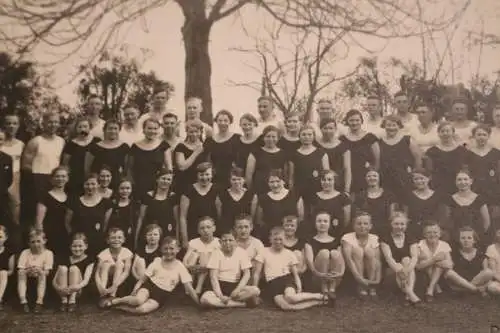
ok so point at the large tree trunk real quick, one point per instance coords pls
(198, 68)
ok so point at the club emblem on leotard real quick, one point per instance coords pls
(169, 227)
(408, 169)
(129, 231)
(367, 165)
(97, 226)
(315, 173)
(492, 173)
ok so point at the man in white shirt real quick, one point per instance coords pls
(193, 111)
(325, 110)
(409, 120)
(93, 109)
(131, 132)
(159, 107)
(268, 115)
(373, 121)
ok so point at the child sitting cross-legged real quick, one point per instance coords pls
(34, 263)
(199, 251)
(113, 266)
(229, 271)
(145, 255)
(6, 263)
(156, 286)
(283, 284)
(73, 273)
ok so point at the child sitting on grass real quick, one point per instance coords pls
(145, 256)
(229, 271)
(434, 258)
(243, 227)
(362, 255)
(113, 264)
(73, 273)
(34, 263)
(155, 287)
(283, 283)
(6, 264)
(199, 251)
(293, 243)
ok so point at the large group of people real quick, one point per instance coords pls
(130, 211)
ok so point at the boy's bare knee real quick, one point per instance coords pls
(73, 270)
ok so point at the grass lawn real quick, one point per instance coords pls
(387, 314)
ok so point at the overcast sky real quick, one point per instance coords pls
(165, 41)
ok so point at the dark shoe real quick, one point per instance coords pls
(25, 308)
(415, 303)
(38, 308)
(72, 307)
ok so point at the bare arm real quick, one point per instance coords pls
(256, 273)
(347, 215)
(253, 207)
(417, 154)
(67, 220)
(376, 155)
(184, 163)
(309, 257)
(184, 207)
(140, 219)
(291, 174)
(86, 277)
(214, 280)
(65, 159)
(250, 170)
(41, 211)
(347, 249)
(325, 163)
(485, 217)
(300, 210)
(296, 278)
(218, 206)
(89, 159)
(167, 159)
(245, 278)
(188, 287)
(12, 262)
(347, 171)
(107, 216)
(29, 153)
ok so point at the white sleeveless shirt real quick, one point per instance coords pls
(425, 140)
(14, 150)
(48, 154)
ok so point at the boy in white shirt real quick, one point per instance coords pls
(199, 251)
(156, 286)
(283, 282)
(115, 262)
(229, 270)
(243, 227)
(34, 263)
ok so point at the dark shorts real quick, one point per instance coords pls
(278, 285)
(226, 287)
(156, 293)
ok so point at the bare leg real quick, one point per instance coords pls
(62, 281)
(434, 278)
(203, 260)
(119, 268)
(483, 278)
(104, 271)
(493, 287)
(322, 265)
(247, 293)
(75, 278)
(147, 307)
(281, 302)
(22, 286)
(133, 300)
(210, 299)
(4, 277)
(41, 286)
(357, 257)
(337, 265)
(372, 267)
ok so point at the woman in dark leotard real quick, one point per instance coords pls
(364, 147)
(160, 207)
(399, 155)
(290, 141)
(422, 204)
(276, 204)
(50, 213)
(483, 163)
(400, 251)
(125, 211)
(74, 271)
(188, 155)
(89, 214)
(470, 265)
(294, 243)
(306, 165)
(235, 201)
(145, 255)
(377, 202)
(323, 256)
(222, 148)
(249, 141)
(444, 160)
(339, 156)
(467, 208)
(197, 201)
(329, 200)
(110, 152)
(147, 157)
(263, 160)
(74, 153)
